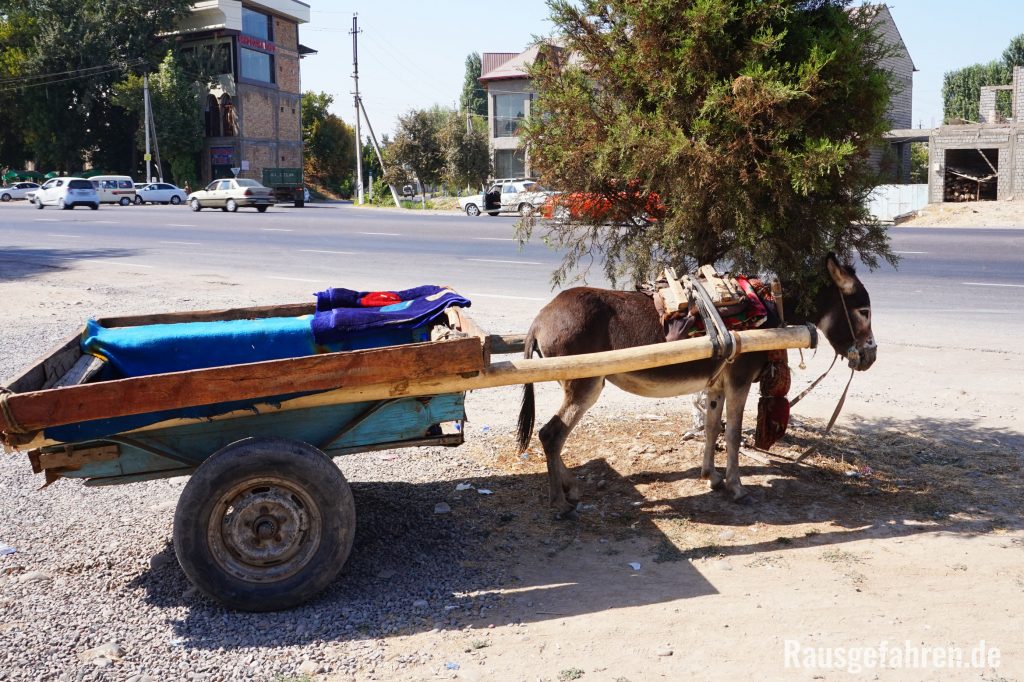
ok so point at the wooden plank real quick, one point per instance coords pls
(722, 290)
(75, 459)
(507, 344)
(465, 323)
(251, 313)
(394, 365)
(524, 371)
(35, 377)
(86, 368)
(673, 295)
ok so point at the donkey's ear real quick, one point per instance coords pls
(841, 275)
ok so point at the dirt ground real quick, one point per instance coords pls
(970, 214)
(897, 546)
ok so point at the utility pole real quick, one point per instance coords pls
(156, 147)
(355, 79)
(145, 106)
(380, 157)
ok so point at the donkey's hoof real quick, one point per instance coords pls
(744, 500)
(570, 515)
(714, 479)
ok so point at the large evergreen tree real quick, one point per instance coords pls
(473, 98)
(751, 122)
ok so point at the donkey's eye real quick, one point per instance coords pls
(865, 313)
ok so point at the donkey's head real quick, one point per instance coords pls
(844, 311)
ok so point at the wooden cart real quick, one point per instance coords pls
(266, 520)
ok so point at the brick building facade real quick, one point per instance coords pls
(253, 116)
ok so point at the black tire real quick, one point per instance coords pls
(64, 206)
(195, 205)
(94, 207)
(5, 197)
(231, 206)
(175, 200)
(138, 200)
(492, 213)
(525, 210)
(262, 209)
(38, 203)
(472, 210)
(125, 201)
(264, 524)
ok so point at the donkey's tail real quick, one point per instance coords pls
(528, 411)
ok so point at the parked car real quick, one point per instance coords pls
(114, 189)
(510, 196)
(597, 209)
(19, 190)
(160, 193)
(408, 191)
(66, 193)
(232, 194)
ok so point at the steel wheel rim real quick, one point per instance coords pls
(264, 530)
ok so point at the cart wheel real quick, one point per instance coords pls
(264, 524)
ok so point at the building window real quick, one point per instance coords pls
(256, 24)
(257, 66)
(509, 112)
(509, 163)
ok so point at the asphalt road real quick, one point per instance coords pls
(953, 287)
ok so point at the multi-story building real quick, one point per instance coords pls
(252, 116)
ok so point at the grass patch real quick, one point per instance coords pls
(570, 674)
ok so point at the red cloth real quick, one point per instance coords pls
(773, 407)
(376, 299)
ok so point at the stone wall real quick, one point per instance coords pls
(287, 65)
(258, 115)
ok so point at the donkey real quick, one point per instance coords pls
(586, 320)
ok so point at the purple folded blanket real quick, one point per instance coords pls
(341, 313)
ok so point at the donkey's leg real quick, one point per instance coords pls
(736, 400)
(578, 395)
(712, 427)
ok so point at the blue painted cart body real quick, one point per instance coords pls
(124, 445)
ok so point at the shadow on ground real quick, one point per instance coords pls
(24, 263)
(889, 479)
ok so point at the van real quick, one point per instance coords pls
(114, 189)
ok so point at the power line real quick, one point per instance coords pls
(14, 87)
(111, 65)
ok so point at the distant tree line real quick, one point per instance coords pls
(961, 89)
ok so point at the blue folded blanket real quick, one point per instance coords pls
(161, 348)
(342, 313)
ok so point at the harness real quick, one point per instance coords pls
(673, 294)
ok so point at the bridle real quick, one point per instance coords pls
(853, 357)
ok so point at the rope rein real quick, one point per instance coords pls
(12, 423)
(842, 399)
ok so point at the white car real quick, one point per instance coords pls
(19, 190)
(509, 196)
(66, 193)
(160, 193)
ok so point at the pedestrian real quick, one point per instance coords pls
(187, 188)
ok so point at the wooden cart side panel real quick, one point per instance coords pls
(466, 324)
(394, 365)
(253, 313)
(48, 369)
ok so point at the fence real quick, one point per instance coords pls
(889, 201)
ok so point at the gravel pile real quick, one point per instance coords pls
(92, 589)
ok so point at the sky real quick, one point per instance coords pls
(412, 53)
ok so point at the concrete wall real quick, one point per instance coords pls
(1008, 139)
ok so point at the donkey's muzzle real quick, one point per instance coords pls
(862, 358)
